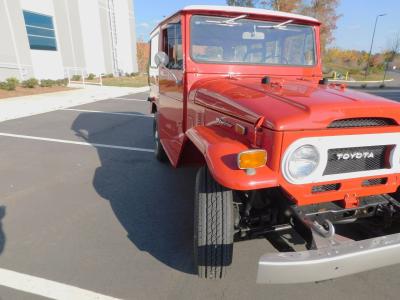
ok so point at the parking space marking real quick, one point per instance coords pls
(46, 288)
(95, 145)
(130, 99)
(109, 113)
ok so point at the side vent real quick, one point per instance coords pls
(325, 188)
(362, 122)
(374, 181)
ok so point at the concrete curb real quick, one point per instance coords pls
(19, 107)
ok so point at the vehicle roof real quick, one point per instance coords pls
(249, 10)
(240, 10)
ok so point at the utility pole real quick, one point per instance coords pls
(372, 43)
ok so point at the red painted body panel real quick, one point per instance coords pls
(171, 109)
(220, 150)
(294, 106)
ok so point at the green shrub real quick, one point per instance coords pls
(76, 78)
(62, 82)
(110, 75)
(47, 83)
(10, 84)
(133, 74)
(30, 83)
(91, 76)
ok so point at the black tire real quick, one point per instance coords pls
(158, 148)
(213, 226)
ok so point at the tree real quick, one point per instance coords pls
(394, 48)
(281, 5)
(249, 3)
(325, 12)
(143, 52)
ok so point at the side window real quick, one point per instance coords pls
(153, 50)
(172, 45)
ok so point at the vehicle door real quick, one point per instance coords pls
(171, 106)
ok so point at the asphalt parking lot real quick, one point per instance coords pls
(86, 208)
(390, 93)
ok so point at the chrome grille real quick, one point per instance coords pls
(336, 165)
(362, 122)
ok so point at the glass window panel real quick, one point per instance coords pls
(40, 43)
(39, 20)
(249, 41)
(172, 41)
(40, 32)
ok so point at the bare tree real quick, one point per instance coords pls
(248, 3)
(323, 10)
(281, 5)
(394, 47)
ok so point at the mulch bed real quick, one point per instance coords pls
(20, 91)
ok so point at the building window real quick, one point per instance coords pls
(40, 30)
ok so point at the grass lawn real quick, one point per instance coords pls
(137, 81)
(357, 75)
(372, 77)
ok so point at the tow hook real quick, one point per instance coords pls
(326, 230)
(317, 233)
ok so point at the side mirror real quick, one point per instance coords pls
(161, 59)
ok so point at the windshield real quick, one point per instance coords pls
(244, 41)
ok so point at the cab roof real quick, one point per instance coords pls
(250, 11)
(238, 10)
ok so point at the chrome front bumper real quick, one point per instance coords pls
(329, 262)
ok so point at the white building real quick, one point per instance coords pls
(49, 39)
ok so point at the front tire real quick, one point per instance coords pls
(213, 226)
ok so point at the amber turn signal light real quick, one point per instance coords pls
(251, 159)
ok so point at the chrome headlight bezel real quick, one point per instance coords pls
(310, 154)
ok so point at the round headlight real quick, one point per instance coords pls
(303, 162)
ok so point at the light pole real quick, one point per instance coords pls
(372, 43)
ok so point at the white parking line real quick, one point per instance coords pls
(109, 113)
(28, 137)
(46, 288)
(130, 99)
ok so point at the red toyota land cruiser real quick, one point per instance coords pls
(240, 92)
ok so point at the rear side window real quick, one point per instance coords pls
(172, 45)
(153, 50)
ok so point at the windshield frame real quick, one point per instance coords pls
(316, 63)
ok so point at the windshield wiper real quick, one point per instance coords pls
(228, 22)
(281, 26)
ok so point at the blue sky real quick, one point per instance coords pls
(354, 27)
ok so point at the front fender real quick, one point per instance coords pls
(220, 150)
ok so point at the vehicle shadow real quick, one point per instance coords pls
(153, 202)
(2, 235)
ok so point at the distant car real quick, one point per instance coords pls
(239, 92)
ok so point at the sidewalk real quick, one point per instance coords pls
(13, 108)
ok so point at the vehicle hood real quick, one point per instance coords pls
(290, 104)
